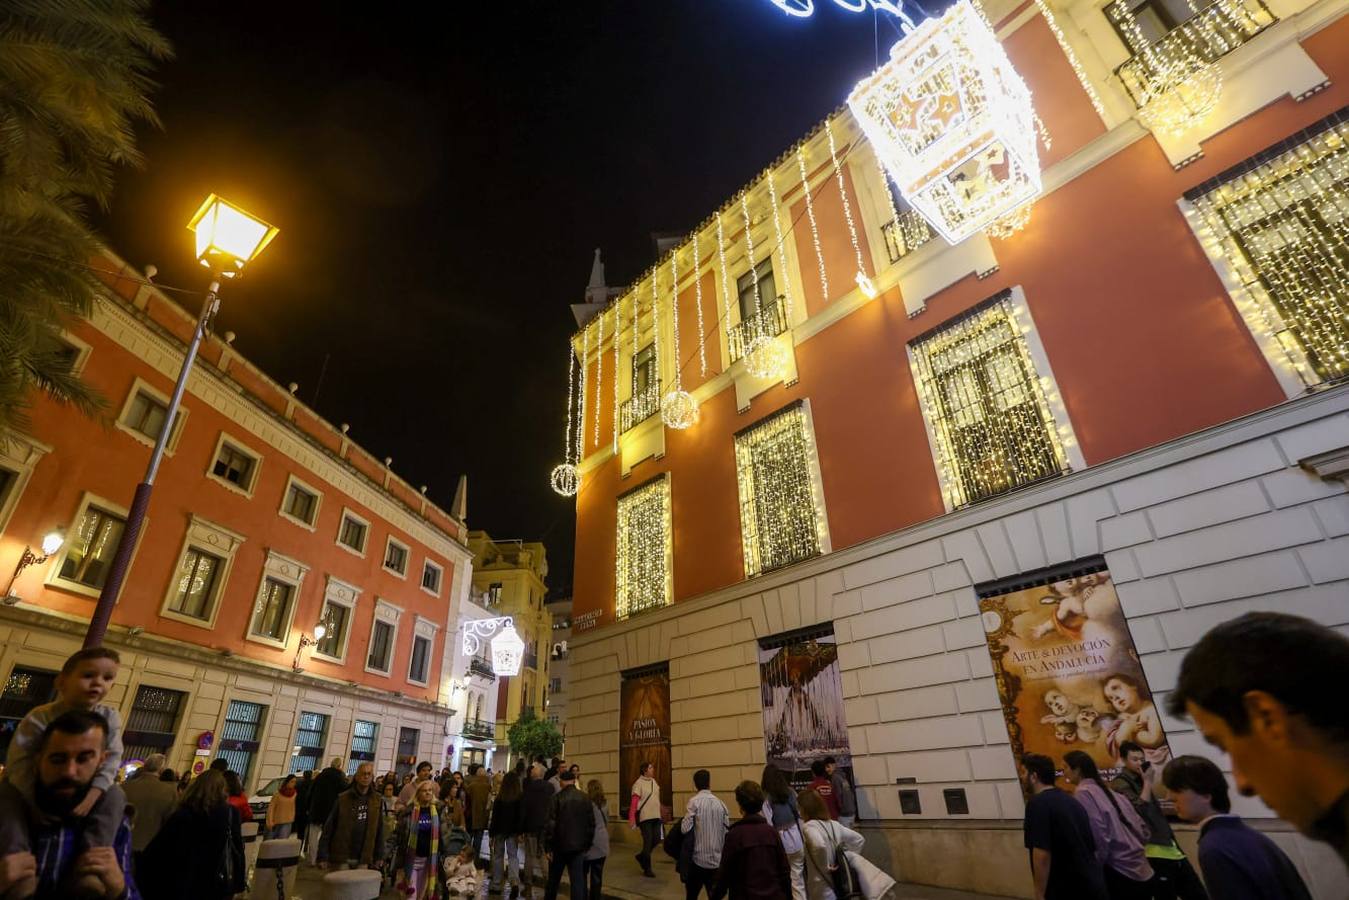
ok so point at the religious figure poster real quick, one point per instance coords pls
(1067, 670)
(802, 697)
(644, 731)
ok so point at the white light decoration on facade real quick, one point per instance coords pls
(581, 405)
(814, 229)
(698, 293)
(953, 123)
(803, 9)
(863, 282)
(782, 253)
(1082, 77)
(643, 579)
(565, 480)
(1175, 88)
(765, 356)
(618, 334)
(599, 373)
(780, 521)
(678, 409)
(564, 477)
(725, 278)
(508, 650)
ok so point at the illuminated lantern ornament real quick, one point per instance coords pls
(566, 480)
(1011, 223)
(507, 651)
(1182, 96)
(765, 357)
(953, 123)
(679, 410)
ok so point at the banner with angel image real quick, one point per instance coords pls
(802, 695)
(1067, 670)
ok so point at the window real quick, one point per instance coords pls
(761, 313)
(752, 301)
(645, 399)
(310, 736)
(300, 503)
(556, 685)
(234, 466)
(781, 506)
(408, 740)
(88, 554)
(383, 637)
(144, 413)
(431, 575)
(203, 567)
(1280, 222)
(644, 571)
(24, 689)
(73, 352)
(353, 532)
(421, 659)
(990, 423)
(364, 741)
(240, 736)
(339, 598)
(196, 583)
(272, 617)
(152, 726)
(396, 557)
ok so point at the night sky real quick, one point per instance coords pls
(441, 174)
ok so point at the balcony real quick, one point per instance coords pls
(482, 668)
(640, 407)
(770, 321)
(1210, 34)
(480, 731)
(905, 234)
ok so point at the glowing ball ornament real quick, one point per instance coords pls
(765, 357)
(953, 123)
(1182, 96)
(679, 410)
(566, 480)
(508, 651)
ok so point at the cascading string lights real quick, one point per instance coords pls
(725, 278)
(1175, 88)
(643, 578)
(782, 252)
(1083, 78)
(866, 285)
(678, 409)
(779, 521)
(814, 229)
(698, 294)
(765, 356)
(618, 334)
(599, 373)
(564, 478)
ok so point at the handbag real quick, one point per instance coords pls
(841, 875)
(231, 872)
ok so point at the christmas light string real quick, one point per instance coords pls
(698, 292)
(863, 282)
(814, 228)
(599, 372)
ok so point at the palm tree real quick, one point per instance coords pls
(74, 80)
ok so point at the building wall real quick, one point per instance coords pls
(1194, 531)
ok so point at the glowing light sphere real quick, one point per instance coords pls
(508, 651)
(953, 123)
(766, 357)
(1011, 223)
(566, 480)
(679, 410)
(1182, 96)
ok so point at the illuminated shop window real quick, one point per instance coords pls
(985, 405)
(1280, 221)
(781, 516)
(643, 578)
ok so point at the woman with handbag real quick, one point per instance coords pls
(644, 814)
(829, 875)
(781, 812)
(199, 853)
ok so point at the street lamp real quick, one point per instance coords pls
(50, 544)
(227, 237)
(306, 641)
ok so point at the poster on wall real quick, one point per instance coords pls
(644, 731)
(802, 694)
(1066, 667)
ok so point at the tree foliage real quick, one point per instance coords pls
(74, 84)
(531, 736)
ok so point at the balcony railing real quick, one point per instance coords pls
(769, 321)
(482, 731)
(481, 667)
(905, 234)
(1210, 34)
(640, 407)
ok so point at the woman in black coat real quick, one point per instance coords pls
(199, 852)
(505, 827)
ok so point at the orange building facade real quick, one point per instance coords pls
(1146, 380)
(265, 522)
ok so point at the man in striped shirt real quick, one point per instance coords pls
(708, 819)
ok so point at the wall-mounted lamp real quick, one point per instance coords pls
(306, 641)
(51, 543)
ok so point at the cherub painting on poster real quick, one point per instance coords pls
(1068, 673)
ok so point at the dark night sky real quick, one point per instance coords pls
(441, 174)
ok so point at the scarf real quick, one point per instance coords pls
(287, 792)
(433, 860)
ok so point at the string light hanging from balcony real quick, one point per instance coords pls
(564, 478)
(698, 294)
(863, 281)
(618, 334)
(814, 228)
(725, 279)
(1175, 88)
(678, 409)
(599, 373)
(765, 356)
(782, 253)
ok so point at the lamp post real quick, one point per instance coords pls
(226, 239)
(50, 544)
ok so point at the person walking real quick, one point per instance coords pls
(409, 791)
(302, 788)
(238, 799)
(1116, 828)
(538, 793)
(823, 785)
(1239, 863)
(187, 856)
(417, 857)
(569, 834)
(153, 800)
(1058, 838)
(504, 830)
(354, 828)
(644, 814)
(754, 862)
(780, 811)
(281, 810)
(327, 785)
(843, 792)
(1174, 878)
(479, 792)
(825, 843)
(707, 818)
(599, 847)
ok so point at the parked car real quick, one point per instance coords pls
(262, 797)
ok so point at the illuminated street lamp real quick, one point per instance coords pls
(507, 651)
(50, 544)
(227, 238)
(306, 641)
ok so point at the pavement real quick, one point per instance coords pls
(623, 880)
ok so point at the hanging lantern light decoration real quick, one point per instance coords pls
(679, 408)
(508, 651)
(1174, 87)
(953, 123)
(566, 480)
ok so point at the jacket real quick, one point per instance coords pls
(240, 802)
(538, 794)
(824, 842)
(571, 822)
(343, 839)
(753, 863)
(1150, 811)
(323, 794)
(843, 793)
(507, 818)
(479, 791)
(599, 847)
(154, 801)
(302, 790)
(184, 858)
(281, 811)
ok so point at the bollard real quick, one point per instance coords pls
(352, 884)
(252, 841)
(274, 876)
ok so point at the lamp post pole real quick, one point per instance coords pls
(121, 561)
